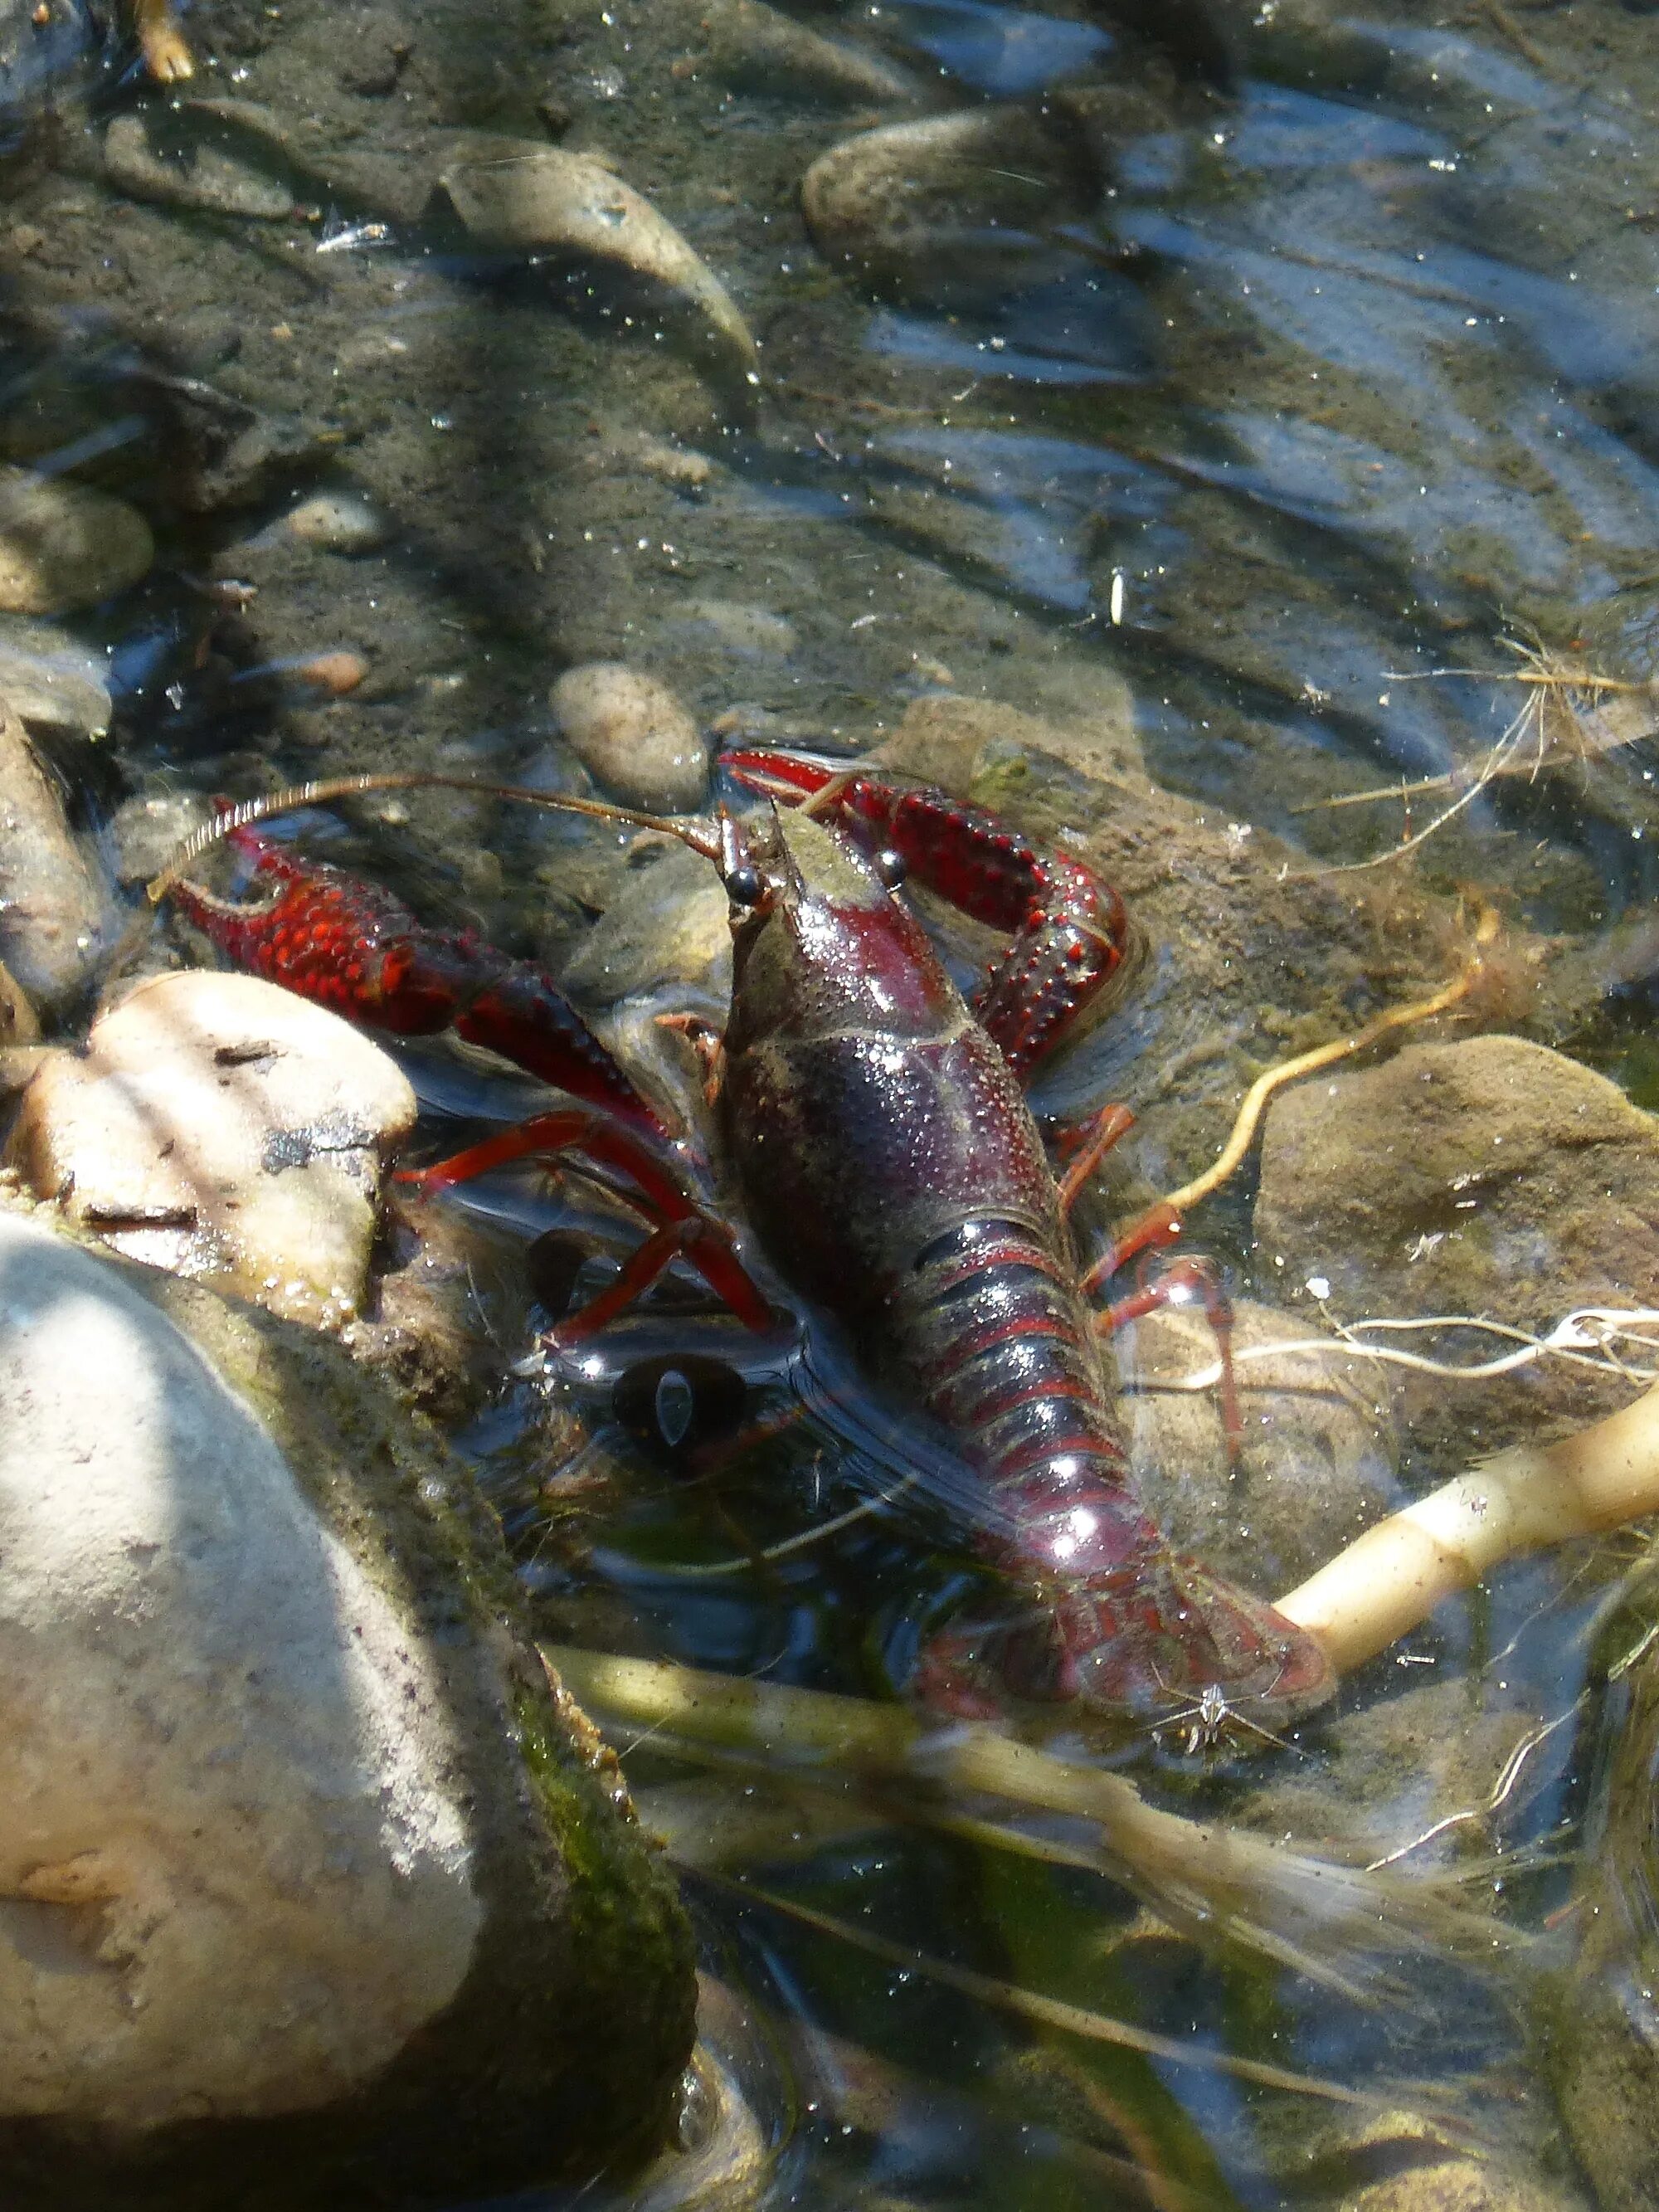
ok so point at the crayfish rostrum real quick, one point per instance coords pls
(879, 1138)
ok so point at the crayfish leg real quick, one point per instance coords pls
(168, 57)
(1087, 1147)
(1192, 1279)
(680, 1229)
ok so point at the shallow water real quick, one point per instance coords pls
(1243, 465)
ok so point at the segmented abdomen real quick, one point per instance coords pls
(991, 1326)
(998, 1340)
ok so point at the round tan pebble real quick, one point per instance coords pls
(64, 546)
(333, 673)
(634, 734)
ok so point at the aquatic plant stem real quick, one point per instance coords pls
(1046, 2011)
(1520, 1500)
(1325, 1920)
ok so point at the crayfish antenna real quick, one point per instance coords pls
(247, 811)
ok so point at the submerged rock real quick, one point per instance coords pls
(669, 923)
(635, 735)
(305, 1876)
(759, 49)
(63, 546)
(1316, 1465)
(1604, 2047)
(1404, 2162)
(49, 680)
(974, 746)
(175, 160)
(337, 522)
(221, 1128)
(145, 831)
(519, 198)
(18, 1025)
(428, 1332)
(56, 916)
(955, 208)
(1492, 1178)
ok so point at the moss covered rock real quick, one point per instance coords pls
(313, 1887)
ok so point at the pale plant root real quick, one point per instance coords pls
(1391, 1578)
(1572, 714)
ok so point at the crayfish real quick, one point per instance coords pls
(877, 1133)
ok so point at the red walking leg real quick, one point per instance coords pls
(682, 1228)
(1192, 1278)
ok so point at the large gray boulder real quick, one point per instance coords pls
(307, 1876)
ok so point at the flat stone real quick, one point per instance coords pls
(521, 198)
(63, 546)
(221, 1128)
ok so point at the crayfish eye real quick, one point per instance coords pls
(892, 868)
(744, 886)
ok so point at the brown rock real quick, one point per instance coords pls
(634, 734)
(1494, 1178)
(55, 911)
(63, 546)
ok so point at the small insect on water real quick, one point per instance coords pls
(876, 1131)
(1211, 1724)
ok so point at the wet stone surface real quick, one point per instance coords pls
(219, 1127)
(285, 1764)
(1491, 1178)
